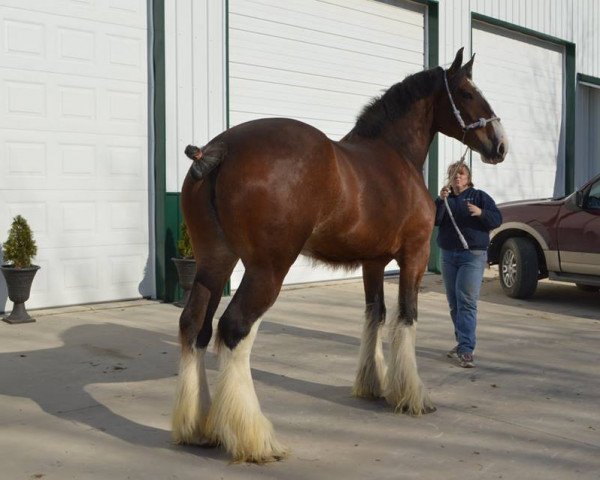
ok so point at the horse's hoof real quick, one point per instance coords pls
(208, 444)
(367, 395)
(424, 410)
(202, 442)
(262, 459)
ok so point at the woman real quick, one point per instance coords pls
(475, 213)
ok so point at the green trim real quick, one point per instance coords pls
(227, 122)
(581, 77)
(227, 290)
(158, 59)
(432, 60)
(570, 100)
(570, 83)
(173, 221)
(478, 17)
(433, 41)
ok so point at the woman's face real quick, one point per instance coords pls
(460, 180)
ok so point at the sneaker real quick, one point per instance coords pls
(466, 360)
(453, 353)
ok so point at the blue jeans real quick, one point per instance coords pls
(462, 271)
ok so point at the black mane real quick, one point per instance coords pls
(395, 102)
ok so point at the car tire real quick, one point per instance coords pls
(587, 288)
(518, 267)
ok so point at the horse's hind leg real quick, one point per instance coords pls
(236, 420)
(192, 398)
(404, 389)
(370, 376)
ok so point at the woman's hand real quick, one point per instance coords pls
(474, 210)
(444, 192)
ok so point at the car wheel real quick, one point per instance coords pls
(587, 288)
(518, 267)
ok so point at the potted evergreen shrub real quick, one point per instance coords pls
(19, 249)
(185, 264)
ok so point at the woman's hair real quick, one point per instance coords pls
(460, 166)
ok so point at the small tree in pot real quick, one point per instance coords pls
(19, 249)
(185, 264)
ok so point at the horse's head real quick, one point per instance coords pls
(466, 115)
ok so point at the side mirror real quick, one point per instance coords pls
(579, 198)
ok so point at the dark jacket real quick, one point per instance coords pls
(474, 229)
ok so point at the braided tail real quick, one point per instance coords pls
(205, 159)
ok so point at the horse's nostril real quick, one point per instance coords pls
(501, 149)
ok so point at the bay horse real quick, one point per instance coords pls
(269, 190)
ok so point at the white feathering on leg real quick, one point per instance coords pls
(235, 419)
(192, 399)
(370, 376)
(404, 389)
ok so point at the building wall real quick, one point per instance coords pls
(575, 21)
(196, 65)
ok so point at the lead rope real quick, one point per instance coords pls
(458, 232)
(482, 122)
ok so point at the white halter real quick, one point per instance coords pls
(482, 122)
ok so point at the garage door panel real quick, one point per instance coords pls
(298, 79)
(380, 18)
(526, 91)
(540, 55)
(128, 13)
(59, 103)
(295, 100)
(101, 276)
(319, 62)
(72, 161)
(332, 41)
(409, 13)
(73, 219)
(41, 42)
(310, 29)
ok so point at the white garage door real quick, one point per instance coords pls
(587, 143)
(73, 144)
(319, 62)
(522, 78)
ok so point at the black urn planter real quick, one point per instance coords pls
(186, 271)
(18, 282)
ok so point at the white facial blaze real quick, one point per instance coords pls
(499, 132)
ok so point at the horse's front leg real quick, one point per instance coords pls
(370, 376)
(404, 389)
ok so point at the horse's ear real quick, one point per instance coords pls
(455, 67)
(468, 68)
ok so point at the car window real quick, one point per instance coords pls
(593, 200)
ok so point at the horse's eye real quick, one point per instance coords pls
(466, 95)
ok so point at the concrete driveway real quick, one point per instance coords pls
(85, 393)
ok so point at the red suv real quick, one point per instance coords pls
(556, 238)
